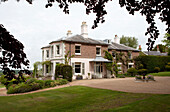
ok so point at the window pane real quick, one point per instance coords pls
(98, 51)
(47, 51)
(77, 68)
(77, 49)
(58, 49)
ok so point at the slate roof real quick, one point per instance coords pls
(155, 53)
(116, 46)
(80, 39)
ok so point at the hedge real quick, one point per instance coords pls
(64, 70)
(150, 62)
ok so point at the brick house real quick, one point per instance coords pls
(88, 54)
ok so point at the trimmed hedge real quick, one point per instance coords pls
(63, 70)
(132, 72)
(150, 62)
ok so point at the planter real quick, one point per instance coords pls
(79, 77)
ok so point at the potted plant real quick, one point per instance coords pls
(79, 77)
(88, 75)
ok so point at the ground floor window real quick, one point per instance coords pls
(78, 68)
(130, 65)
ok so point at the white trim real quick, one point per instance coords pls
(130, 63)
(119, 63)
(100, 51)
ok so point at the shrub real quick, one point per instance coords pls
(49, 83)
(150, 77)
(167, 67)
(67, 72)
(31, 80)
(150, 62)
(61, 81)
(142, 71)
(58, 70)
(79, 77)
(41, 83)
(156, 69)
(132, 71)
(138, 77)
(3, 80)
(121, 76)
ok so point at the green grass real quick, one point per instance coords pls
(85, 99)
(160, 74)
(2, 86)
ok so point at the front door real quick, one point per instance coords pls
(98, 69)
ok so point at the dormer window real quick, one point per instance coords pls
(98, 51)
(77, 50)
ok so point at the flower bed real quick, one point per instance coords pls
(34, 84)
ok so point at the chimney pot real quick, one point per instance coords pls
(84, 30)
(69, 33)
(117, 39)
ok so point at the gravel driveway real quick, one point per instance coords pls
(160, 86)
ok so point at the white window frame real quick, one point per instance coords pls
(96, 50)
(114, 54)
(77, 63)
(83, 68)
(80, 49)
(56, 49)
(130, 64)
(52, 51)
(120, 67)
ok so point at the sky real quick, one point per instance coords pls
(36, 26)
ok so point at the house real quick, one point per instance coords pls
(155, 53)
(88, 53)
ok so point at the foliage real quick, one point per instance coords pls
(132, 71)
(162, 48)
(67, 72)
(79, 77)
(109, 66)
(156, 69)
(67, 59)
(138, 77)
(31, 80)
(167, 67)
(150, 77)
(166, 41)
(129, 41)
(59, 70)
(12, 56)
(142, 72)
(48, 63)
(120, 76)
(150, 62)
(35, 71)
(62, 81)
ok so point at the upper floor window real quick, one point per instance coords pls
(57, 49)
(130, 55)
(47, 53)
(77, 49)
(52, 51)
(98, 51)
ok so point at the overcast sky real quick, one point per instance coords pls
(35, 26)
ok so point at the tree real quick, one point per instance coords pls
(12, 56)
(67, 59)
(147, 8)
(129, 41)
(161, 47)
(166, 40)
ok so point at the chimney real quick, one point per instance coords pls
(117, 39)
(140, 47)
(84, 31)
(158, 48)
(69, 33)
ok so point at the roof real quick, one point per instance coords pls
(45, 47)
(117, 46)
(155, 53)
(80, 39)
(100, 59)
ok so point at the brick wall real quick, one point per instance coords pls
(87, 51)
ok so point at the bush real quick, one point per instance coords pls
(167, 67)
(121, 76)
(61, 81)
(41, 83)
(138, 77)
(31, 80)
(58, 70)
(79, 77)
(156, 69)
(142, 71)
(150, 62)
(3, 80)
(132, 71)
(22, 88)
(67, 72)
(50, 83)
(150, 77)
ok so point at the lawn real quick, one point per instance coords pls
(160, 74)
(85, 99)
